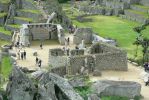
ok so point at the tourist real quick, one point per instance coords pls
(39, 63)
(37, 60)
(18, 55)
(17, 44)
(67, 51)
(147, 82)
(146, 66)
(41, 46)
(68, 40)
(24, 54)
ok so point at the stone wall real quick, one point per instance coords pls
(4, 7)
(136, 17)
(56, 52)
(61, 71)
(83, 33)
(2, 20)
(77, 52)
(145, 2)
(35, 16)
(5, 37)
(111, 61)
(58, 61)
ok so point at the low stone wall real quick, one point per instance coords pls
(20, 21)
(5, 37)
(4, 7)
(28, 4)
(135, 17)
(117, 88)
(2, 20)
(139, 9)
(61, 71)
(57, 61)
(34, 16)
(11, 28)
(145, 2)
(111, 61)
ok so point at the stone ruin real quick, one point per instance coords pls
(88, 37)
(136, 10)
(39, 31)
(99, 56)
(48, 87)
(116, 88)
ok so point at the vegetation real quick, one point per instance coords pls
(83, 91)
(4, 1)
(142, 41)
(3, 14)
(14, 25)
(2, 30)
(6, 67)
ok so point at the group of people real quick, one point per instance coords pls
(38, 62)
(21, 55)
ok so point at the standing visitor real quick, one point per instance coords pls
(68, 40)
(37, 60)
(39, 63)
(41, 46)
(24, 54)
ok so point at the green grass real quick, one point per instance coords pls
(112, 27)
(31, 11)
(2, 30)
(25, 19)
(5, 1)
(6, 67)
(3, 14)
(2, 42)
(14, 26)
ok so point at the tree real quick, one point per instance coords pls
(142, 41)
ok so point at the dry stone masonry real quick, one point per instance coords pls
(136, 10)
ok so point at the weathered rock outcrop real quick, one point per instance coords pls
(64, 87)
(117, 88)
(20, 87)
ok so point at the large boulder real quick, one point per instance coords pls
(20, 87)
(116, 88)
(61, 87)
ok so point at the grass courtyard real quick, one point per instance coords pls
(110, 27)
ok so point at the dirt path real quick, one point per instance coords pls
(133, 74)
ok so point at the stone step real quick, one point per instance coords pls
(137, 16)
(22, 20)
(12, 27)
(140, 8)
(34, 14)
